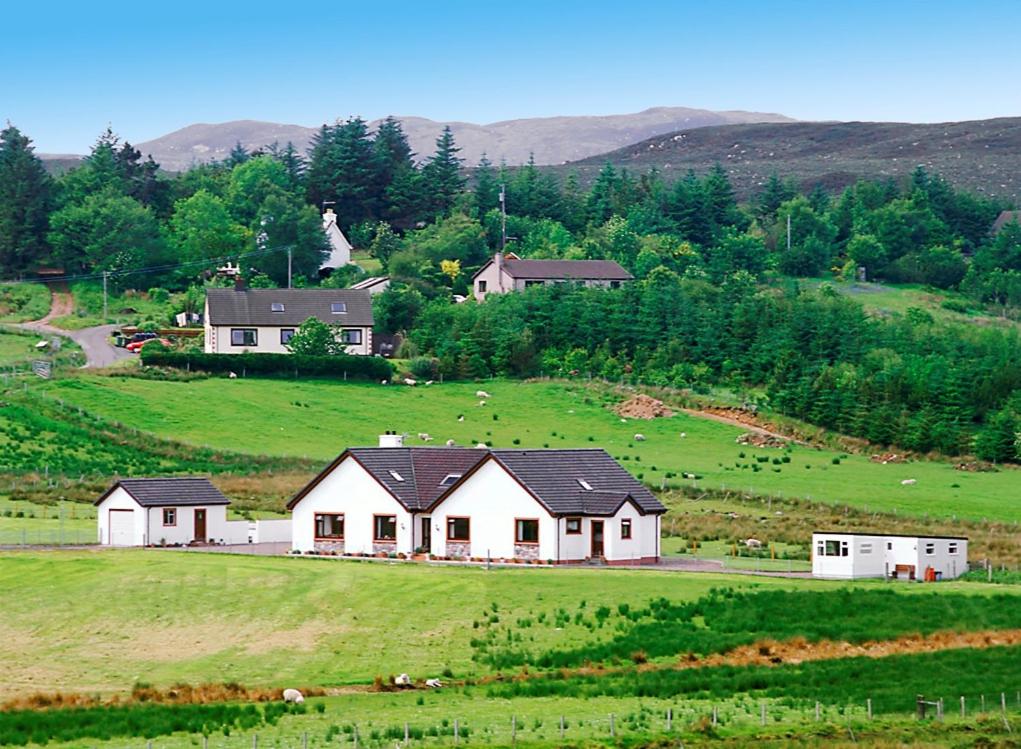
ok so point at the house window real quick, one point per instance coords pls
(865, 548)
(169, 516)
(384, 528)
(889, 545)
(625, 528)
(482, 286)
(244, 337)
(458, 529)
(614, 284)
(573, 526)
(329, 526)
(351, 336)
(952, 547)
(276, 307)
(286, 334)
(338, 308)
(529, 284)
(930, 548)
(526, 531)
(835, 549)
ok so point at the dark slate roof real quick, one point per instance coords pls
(254, 306)
(552, 476)
(602, 270)
(555, 476)
(1004, 218)
(162, 492)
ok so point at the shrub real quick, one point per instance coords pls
(290, 365)
(424, 367)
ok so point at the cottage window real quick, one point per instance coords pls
(244, 337)
(329, 526)
(952, 547)
(276, 307)
(169, 516)
(573, 526)
(384, 528)
(286, 334)
(526, 531)
(614, 284)
(625, 529)
(529, 284)
(482, 286)
(458, 529)
(351, 336)
(930, 548)
(338, 308)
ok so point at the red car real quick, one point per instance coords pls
(135, 346)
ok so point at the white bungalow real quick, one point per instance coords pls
(151, 511)
(850, 556)
(340, 248)
(559, 505)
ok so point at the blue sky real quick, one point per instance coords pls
(148, 68)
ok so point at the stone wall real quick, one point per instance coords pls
(526, 551)
(384, 547)
(459, 549)
(336, 547)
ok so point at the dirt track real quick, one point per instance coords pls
(94, 341)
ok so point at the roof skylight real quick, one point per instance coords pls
(338, 308)
(276, 307)
(450, 479)
(585, 485)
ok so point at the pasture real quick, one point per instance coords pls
(318, 419)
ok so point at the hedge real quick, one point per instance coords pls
(290, 365)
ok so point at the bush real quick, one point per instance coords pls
(291, 365)
(424, 367)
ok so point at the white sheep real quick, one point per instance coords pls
(451, 443)
(683, 435)
(460, 417)
(482, 403)
(403, 680)
(482, 446)
(429, 382)
(433, 683)
(639, 438)
(232, 375)
(409, 381)
(425, 436)
(753, 543)
(908, 482)
(482, 394)
(384, 382)
(293, 695)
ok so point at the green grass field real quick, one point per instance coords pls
(20, 302)
(318, 419)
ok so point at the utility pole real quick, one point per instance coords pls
(503, 219)
(788, 232)
(289, 252)
(106, 312)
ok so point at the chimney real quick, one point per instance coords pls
(498, 262)
(391, 439)
(239, 283)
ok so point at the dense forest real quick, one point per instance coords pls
(717, 301)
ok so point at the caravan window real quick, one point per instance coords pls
(930, 548)
(952, 547)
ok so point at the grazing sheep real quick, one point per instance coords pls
(482, 394)
(433, 683)
(688, 475)
(482, 446)
(233, 375)
(429, 382)
(293, 695)
(908, 482)
(409, 381)
(639, 438)
(403, 680)
(425, 437)
(384, 382)
(753, 543)
(683, 435)
(482, 403)
(460, 417)
(451, 443)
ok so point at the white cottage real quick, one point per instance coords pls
(340, 248)
(559, 505)
(506, 273)
(849, 556)
(157, 511)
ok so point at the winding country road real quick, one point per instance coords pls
(95, 342)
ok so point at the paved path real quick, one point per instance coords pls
(95, 342)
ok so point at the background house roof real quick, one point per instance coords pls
(254, 306)
(162, 492)
(554, 476)
(601, 270)
(1004, 218)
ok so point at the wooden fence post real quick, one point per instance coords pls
(457, 732)
(716, 716)
(405, 734)
(963, 712)
(868, 707)
(817, 710)
(514, 729)
(920, 706)
(762, 713)
(561, 726)
(612, 727)
(669, 719)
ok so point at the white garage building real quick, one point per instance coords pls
(849, 556)
(157, 511)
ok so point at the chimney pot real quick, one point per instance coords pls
(391, 439)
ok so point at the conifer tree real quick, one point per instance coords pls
(487, 187)
(26, 192)
(442, 174)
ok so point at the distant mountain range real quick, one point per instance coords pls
(552, 140)
(983, 155)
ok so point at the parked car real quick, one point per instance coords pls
(136, 346)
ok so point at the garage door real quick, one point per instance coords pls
(122, 528)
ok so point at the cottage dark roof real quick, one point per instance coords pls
(554, 477)
(162, 492)
(1004, 218)
(255, 306)
(582, 270)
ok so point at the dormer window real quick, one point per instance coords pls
(396, 476)
(585, 485)
(276, 307)
(450, 479)
(338, 308)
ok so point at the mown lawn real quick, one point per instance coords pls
(101, 620)
(318, 419)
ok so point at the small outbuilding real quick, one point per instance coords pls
(157, 511)
(850, 556)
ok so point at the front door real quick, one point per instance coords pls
(597, 538)
(200, 525)
(427, 535)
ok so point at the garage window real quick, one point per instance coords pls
(169, 516)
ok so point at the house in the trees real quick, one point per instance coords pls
(508, 272)
(1005, 217)
(373, 285)
(157, 511)
(340, 248)
(559, 505)
(241, 320)
(850, 556)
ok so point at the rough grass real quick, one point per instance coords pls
(20, 302)
(318, 419)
